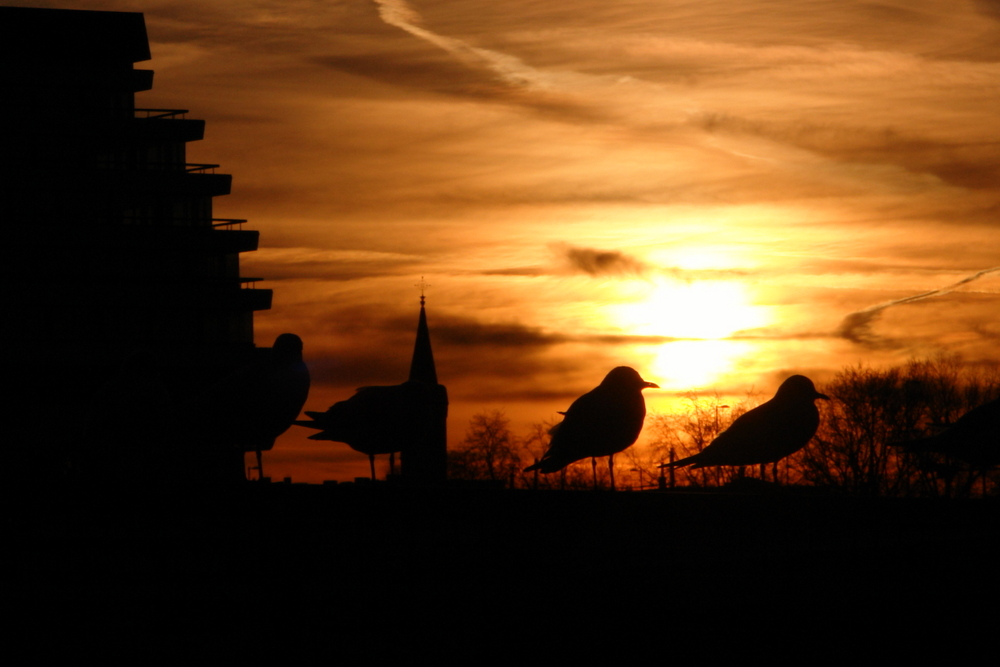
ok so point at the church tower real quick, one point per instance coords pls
(425, 460)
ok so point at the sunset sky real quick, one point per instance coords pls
(718, 194)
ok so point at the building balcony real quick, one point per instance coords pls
(140, 185)
(135, 238)
(166, 124)
(168, 295)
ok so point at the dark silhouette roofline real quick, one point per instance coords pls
(73, 34)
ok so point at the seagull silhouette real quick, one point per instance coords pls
(251, 407)
(768, 433)
(602, 422)
(974, 438)
(378, 420)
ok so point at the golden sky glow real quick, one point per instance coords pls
(719, 194)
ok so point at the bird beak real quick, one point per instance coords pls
(650, 385)
(823, 396)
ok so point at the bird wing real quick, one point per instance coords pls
(974, 438)
(602, 422)
(767, 433)
(379, 419)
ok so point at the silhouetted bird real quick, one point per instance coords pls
(768, 433)
(250, 408)
(602, 422)
(379, 420)
(973, 439)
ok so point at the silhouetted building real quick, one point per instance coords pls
(123, 290)
(426, 459)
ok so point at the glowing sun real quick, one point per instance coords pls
(702, 314)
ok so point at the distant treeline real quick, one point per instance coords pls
(869, 409)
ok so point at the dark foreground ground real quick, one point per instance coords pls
(571, 566)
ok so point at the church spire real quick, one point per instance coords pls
(425, 455)
(422, 367)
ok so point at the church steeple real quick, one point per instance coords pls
(425, 456)
(422, 366)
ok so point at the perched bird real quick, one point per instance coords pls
(248, 409)
(379, 420)
(768, 433)
(602, 422)
(973, 439)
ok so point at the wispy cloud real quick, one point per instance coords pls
(334, 265)
(507, 68)
(856, 327)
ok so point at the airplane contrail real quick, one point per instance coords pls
(510, 69)
(856, 327)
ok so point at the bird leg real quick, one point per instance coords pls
(371, 463)
(763, 472)
(593, 465)
(611, 470)
(774, 472)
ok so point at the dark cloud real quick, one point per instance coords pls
(501, 394)
(672, 271)
(857, 328)
(467, 333)
(333, 270)
(989, 8)
(516, 271)
(601, 262)
(776, 333)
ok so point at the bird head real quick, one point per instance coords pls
(626, 377)
(799, 388)
(288, 347)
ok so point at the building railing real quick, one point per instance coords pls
(196, 168)
(228, 223)
(188, 167)
(219, 224)
(161, 113)
(250, 283)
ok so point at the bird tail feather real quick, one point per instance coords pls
(686, 461)
(546, 466)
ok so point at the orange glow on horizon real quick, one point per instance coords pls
(705, 313)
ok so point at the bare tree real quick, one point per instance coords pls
(689, 431)
(532, 447)
(489, 450)
(873, 408)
